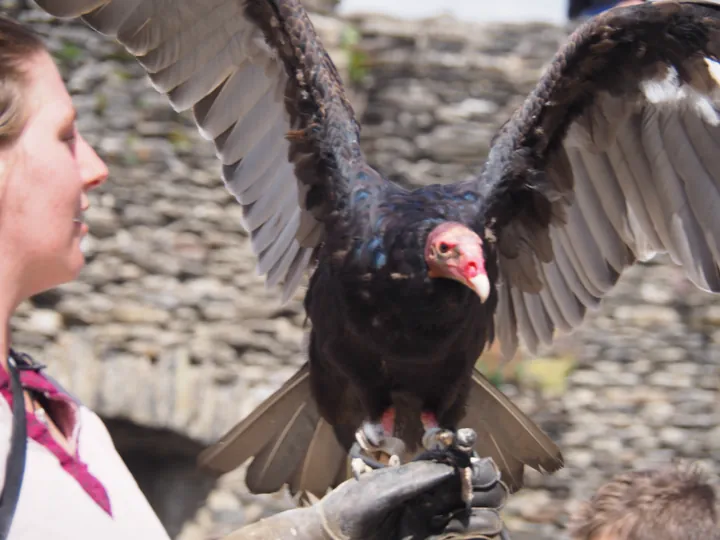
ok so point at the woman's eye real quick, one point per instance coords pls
(68, 135)
(444, 248)
(69, 139)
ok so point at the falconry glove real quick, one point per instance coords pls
(419, 500)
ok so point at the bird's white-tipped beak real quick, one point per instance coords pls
(481, 285)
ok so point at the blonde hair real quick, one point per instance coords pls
(672, 503)
(17, 45)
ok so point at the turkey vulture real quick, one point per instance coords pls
(611, 158)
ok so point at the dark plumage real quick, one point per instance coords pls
(613, 156)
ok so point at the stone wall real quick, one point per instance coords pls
(172, 338)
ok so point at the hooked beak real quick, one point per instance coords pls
(455, 252)
(470, 271)
(479, 282)
(481, 285)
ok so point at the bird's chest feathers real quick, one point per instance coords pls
(407, 308)
(386, 292)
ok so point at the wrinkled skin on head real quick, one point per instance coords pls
(453, 251)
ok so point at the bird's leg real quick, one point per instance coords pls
(429, 420)
(376, 438)
(376, 432)
(435, 437)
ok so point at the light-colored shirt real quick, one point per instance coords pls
(91, 494)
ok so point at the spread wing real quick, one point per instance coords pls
(263, 89)
(614, 156)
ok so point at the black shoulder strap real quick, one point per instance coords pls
(15, 465)
(60, 389)
(25, 362)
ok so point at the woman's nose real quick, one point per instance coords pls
(93, 170)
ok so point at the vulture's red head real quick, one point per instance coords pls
(453, 251)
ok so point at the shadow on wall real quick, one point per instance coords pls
(164, 462)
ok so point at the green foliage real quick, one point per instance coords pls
(101, 103)
(357, 59)
(68, 54)
(499, 372)
(549, 374)
(120, 55)
(495, 376)
(123, 74)
(129, 157)
(179, 139)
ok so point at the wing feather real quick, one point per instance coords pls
(569, 271)
(523, 320)
(505, 321)
(295, 273)
(587, 252)
(263, 119)
(264, 235)
(569, 244)
(217, 113)
(178, 48)
(268, 258)
(684, 227)
(631, 165)
(109, 17)
(560, 292)
(702, 193)
(552, 305)
(278, 270)
(631, 146)
(539, 318)
(262, 87)
(599, 225)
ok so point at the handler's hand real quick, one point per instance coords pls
(421, 499)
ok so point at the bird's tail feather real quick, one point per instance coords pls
(290, 441)
(293, 445)
(506, 434)
(275, 464)
(251, 435)
(325, 464)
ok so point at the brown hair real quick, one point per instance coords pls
(672, 503)
(17, 44)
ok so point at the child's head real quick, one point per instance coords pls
(672, 503)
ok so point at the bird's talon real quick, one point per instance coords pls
(446, 438)
(370, 436)
(367, 444)
(359, 468)
(465, 439)
(387, 451)
(438, 439)
(393, 446)
(362, 440)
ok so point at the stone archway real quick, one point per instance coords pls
(163, 463)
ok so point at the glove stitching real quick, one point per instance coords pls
(326, 526)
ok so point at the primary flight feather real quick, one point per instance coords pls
(612, 158)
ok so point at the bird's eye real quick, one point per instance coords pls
(444, 248)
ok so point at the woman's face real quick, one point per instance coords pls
(43, 189)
